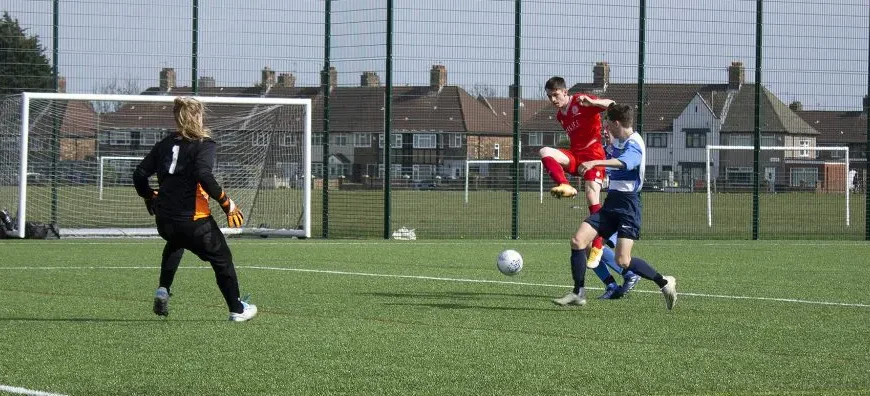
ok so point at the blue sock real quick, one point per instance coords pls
(578, 269)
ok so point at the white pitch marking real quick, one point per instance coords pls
(25, 391)
(437, 278)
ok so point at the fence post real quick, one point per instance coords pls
(325, 88)
(756, 152)
(388, 117)
(194, 53)
(515, 196)
(55, 127)
(641, 64)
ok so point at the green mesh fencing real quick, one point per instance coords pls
(700, 74)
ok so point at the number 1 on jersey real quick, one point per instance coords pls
(175, 150)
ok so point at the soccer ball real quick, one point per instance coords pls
(509, 262)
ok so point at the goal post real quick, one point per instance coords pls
(823, 174)
(64, 149)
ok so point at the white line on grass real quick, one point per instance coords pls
(24, 391)
(437, 278)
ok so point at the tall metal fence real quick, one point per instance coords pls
(430, 115)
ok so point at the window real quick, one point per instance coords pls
(769, 140)
(396, 143)
(260, 139)
(536, 139)
(837, 154)
(739, 175)
(119, 138)
(288, 139)
(362, 140)
(455, 140)
(804, 177)
(148, 138)
(395, 173)
(339, 139)
(696, 138)
(104, 137)
(740, 140)
(657, 140)
(496, 151)
(317, 139)
(425, 140)
(804, 143)
(317, 169)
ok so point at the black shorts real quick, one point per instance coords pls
(201, 237)
(620, 215)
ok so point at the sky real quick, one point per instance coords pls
(815, 51)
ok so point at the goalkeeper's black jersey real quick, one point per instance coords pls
(184, 172)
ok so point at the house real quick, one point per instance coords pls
(681, 120)
(840, 128)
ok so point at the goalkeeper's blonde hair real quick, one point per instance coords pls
(188, 118)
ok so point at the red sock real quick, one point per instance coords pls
(598, 242)
(555, 170)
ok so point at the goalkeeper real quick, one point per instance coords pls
(183, 164)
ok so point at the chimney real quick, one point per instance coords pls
(736, 75)
(61, 84)
(286, 80)
(796, 106)
(600, 75)
(206, 82)
(267, 77)
(437, 77)
(369, 79)
(332, 82)
(167, 79)
(514, 92)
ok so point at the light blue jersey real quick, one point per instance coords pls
(632, 153)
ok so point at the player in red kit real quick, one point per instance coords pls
(580, 116)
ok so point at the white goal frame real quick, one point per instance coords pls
(540, 176)
(710, 148)
(26, 97)
(102, 166)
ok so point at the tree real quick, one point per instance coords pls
(114, 87)
(24, 66)
(483, 90)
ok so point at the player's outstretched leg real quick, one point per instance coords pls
(563, 189)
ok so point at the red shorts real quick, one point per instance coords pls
(575, 158)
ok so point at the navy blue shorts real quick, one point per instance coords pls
(620, 215)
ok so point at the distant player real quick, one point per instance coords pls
(621, 212)
(183, 164)
(580, 116)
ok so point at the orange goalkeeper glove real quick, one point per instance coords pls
(235, 219)
(149, 202)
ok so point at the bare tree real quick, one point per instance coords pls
(486, 91)
(115, 87)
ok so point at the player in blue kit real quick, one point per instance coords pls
(621, 212)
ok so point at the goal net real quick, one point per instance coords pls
(63, 163)
(801, 188)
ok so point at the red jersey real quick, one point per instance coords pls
(583, 126)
